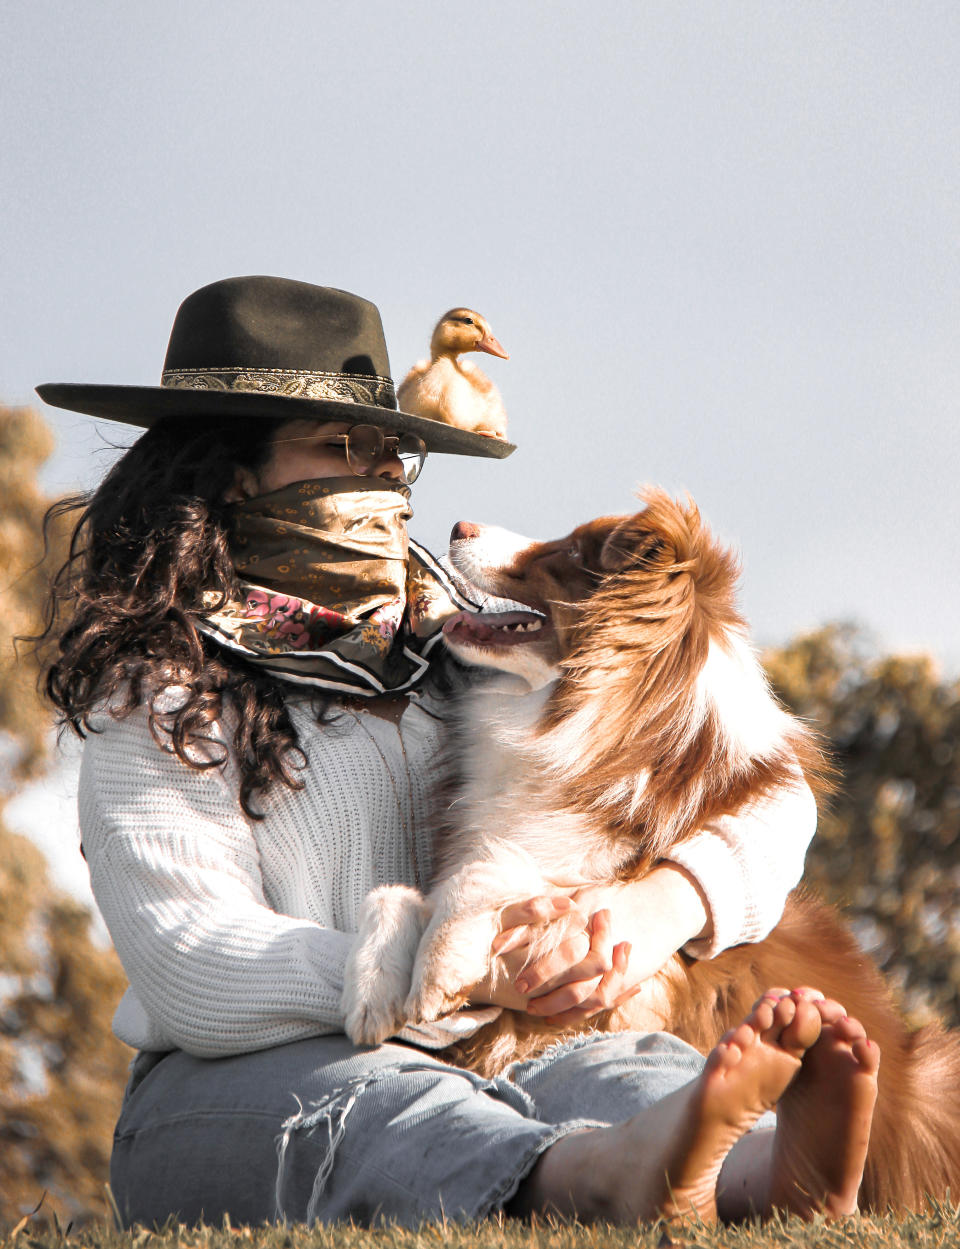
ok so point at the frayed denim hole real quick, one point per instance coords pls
(332, 1113)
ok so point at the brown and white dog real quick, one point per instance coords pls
(645, 714)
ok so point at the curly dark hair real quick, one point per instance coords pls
(122, 615)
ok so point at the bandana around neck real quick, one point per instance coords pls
(332, 591)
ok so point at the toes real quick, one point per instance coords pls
(762, 1016)
(867, 1054)
(831, 1011)
(784, 1014)
(848, 1029)
(852, 1029)
(806, 991)
(802, 1029)
(771, 1014)
(723, 1056)
(771, 995)
(790, 1019)
(743, 1036)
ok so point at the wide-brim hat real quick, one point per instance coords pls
(272, 348)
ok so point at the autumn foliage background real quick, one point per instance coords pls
(888, 849)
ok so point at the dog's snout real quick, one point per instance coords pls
(464, 529)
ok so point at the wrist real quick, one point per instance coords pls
(669, 903)
(684, 901)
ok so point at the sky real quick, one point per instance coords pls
(719, 240)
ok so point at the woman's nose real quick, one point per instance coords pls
(390, 467)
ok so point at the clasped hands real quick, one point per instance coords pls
(614, 938)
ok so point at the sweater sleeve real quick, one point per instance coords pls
(174, 867)
(746, 865)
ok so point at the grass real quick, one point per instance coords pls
(939, 1226)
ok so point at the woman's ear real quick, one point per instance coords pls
(245, 486)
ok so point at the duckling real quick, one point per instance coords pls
(445, 388)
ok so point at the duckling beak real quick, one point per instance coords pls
(490, 345)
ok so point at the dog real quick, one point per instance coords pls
(644, 714)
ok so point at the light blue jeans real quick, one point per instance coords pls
(321, 1130)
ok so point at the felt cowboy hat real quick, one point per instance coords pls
(272, 348)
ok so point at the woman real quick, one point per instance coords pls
(252, 654)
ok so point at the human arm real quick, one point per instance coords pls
(175, 869)
(617, 936)
(725, 885)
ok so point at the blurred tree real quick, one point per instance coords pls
(61, 1070)
(25, 442)
(888, 845)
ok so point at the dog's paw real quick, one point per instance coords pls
(372, 1022)
(379, 968)
(451, 960)
(430, 1001)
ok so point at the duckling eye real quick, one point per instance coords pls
(467, 320)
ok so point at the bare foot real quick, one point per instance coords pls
(824, 1118)
(665, 1161)
(746, 1074)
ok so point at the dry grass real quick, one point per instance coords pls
(940, 1226)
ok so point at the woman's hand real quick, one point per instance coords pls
(597, 982)
(520, 924)
(615, 937)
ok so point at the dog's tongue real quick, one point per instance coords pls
(488, 628)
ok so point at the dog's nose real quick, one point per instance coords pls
(464, 529)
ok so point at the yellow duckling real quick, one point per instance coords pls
(445, 388)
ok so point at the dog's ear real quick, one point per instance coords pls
(635, 544)
(663, 536)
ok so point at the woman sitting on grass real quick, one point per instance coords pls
(252, 652)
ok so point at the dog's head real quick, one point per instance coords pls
(612, 574)
(545, 579)
(661, 712)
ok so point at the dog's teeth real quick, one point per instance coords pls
(520, 626)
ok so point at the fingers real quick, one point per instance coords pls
(570, 960)
(575, 1003)
(519, 918)
(586, 973)
(539, 910)
(595, 984)
(581, 956)
(512, 939)
(601, 939)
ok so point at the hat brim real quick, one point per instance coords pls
(143, 406)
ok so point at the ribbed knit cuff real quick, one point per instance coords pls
(718, 873)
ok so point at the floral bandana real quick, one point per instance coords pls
(333, 592)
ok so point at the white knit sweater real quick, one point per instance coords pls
(234, 933)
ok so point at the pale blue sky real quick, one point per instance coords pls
(720, 241)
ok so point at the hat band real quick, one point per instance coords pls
(340, 387)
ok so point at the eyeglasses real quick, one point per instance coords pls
(367, 445)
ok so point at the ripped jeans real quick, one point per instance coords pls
(320, 1130)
